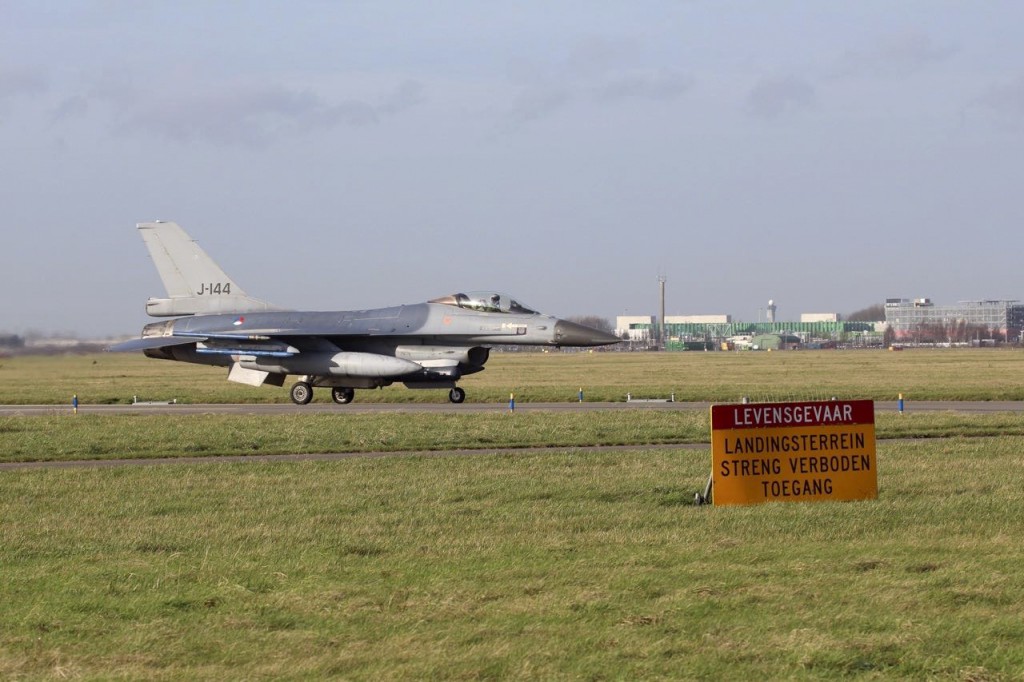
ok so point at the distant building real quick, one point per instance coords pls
(635, 327)
(921, 321)
(698, 319)
(819, 317)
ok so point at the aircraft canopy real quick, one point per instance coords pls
(486, 301)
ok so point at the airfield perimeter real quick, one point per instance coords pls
(980, 381)
(556, 559)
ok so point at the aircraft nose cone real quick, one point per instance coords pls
(572, 334)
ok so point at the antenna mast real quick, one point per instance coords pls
(661, 320)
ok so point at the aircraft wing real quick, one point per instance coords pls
(218, 344)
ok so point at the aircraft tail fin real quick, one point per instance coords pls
(195, 283)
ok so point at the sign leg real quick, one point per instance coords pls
(700, 499)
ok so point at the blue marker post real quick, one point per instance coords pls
(511, 402)
(581, 394)
(74, 403)
(899, 404)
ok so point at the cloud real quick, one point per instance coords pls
(71, 107)
(663, 85)
(595, 70)
(20, 82)
(772, 98)
(896, 55)
(112, 87)
(406, 96)
(249, 116)
(1006, 100)
(231, 114)
(594, 57)
(537, 102)
(115, 85)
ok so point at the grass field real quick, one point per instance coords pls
(558, 565)
(561, 564)
(86, 436)
(955, 374)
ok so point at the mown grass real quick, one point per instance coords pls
(563, 564)
(95, 436)
(559, 565)
(936, 374)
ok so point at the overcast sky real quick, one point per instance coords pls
(339, 155)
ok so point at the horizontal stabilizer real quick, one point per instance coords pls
(150, 342)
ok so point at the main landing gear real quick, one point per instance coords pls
(302, 393)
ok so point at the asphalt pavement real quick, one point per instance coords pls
(910, 406)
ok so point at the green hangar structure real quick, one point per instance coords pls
(685, 333)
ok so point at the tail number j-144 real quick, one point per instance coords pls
(214, 288)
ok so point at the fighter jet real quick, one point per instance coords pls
(422, 345)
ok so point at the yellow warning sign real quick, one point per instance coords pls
(793, 452)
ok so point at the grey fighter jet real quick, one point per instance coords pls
(423, 345)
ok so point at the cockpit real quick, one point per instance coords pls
(486, 302)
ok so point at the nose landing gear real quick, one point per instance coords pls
(342, 396)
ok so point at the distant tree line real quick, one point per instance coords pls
(593, 321)
(11, 341)
(954, 331)
(873, 313)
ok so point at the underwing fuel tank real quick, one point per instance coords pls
(426, 354)
(345, 364)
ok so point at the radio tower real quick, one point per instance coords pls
(661, 320)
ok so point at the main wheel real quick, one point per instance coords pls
(342, 396)
(301, 393)
(456, 395)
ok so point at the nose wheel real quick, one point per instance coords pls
(342, 396)
(456, 395)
